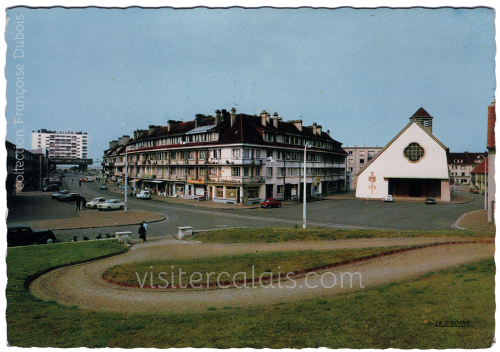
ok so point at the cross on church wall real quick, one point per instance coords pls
(372, 180)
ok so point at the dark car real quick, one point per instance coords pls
(23, 235)
(60, 194)
(430, 201)
(51, 188)
(70, 197)
(270, 203)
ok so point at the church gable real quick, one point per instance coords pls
(414, 154)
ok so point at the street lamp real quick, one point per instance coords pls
(485, 184)
(305, 193)
(126, 175)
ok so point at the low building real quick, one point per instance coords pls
(231, 158)
(24, 170)
(413, 164)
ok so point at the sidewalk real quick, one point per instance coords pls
(195, 202)
(456, 198)
(95, 218)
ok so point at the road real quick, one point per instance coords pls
(326, 213)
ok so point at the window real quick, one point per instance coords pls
(231, 192)
(235, 171)
(246, 171)
(253, 192)
(257, 153)
(246, 153)
(219, 191)
(269, 172)
(463, 167)
(236, 153)
(280, 189)
(350, 152)
(361, 161)
(414, 152)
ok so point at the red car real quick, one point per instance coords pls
(83, 180)
(270, 203)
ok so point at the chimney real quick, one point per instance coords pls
(297, 123)
(218, 117)
(120, 141)
(125, 138)
(328, 131)
(233, 116)
(275, 120)
(171, 124)
(264, 117)
(113, 144)
(319, 129)
(153, 128)
(315, 127)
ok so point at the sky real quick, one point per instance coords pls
(360, 73)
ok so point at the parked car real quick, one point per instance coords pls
(70, 197)
(50, 188)
(430, 200)
(60, 194)
(93, 203)
(83, 180)
(103, 187)
(270, 203)
(111, 204)
(23, 235)
(143, 194)
(475, 191)
(389, 198)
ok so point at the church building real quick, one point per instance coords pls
(413, 164)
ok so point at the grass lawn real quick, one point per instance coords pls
(246, 265)
(399, 315)
(272, 235)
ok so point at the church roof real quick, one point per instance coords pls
(421, 113)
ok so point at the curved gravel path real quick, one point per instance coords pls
(83, 286)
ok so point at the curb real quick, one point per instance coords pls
(455, 224)
(33, 277)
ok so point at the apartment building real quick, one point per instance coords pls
(460, 166)
(61, 144)
(357, 158)
(230, 158)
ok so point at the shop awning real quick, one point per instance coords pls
(153, 181)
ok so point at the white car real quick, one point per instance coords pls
(389, 198)
(143, 195)
(93, 203)
(111, 204)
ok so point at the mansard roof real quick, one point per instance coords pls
(245, 129)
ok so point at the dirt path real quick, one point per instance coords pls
(83, 286)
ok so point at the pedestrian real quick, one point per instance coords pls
(142, 233)
(78, 201)
(80, 183)
(84, 204)
(145, 225)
